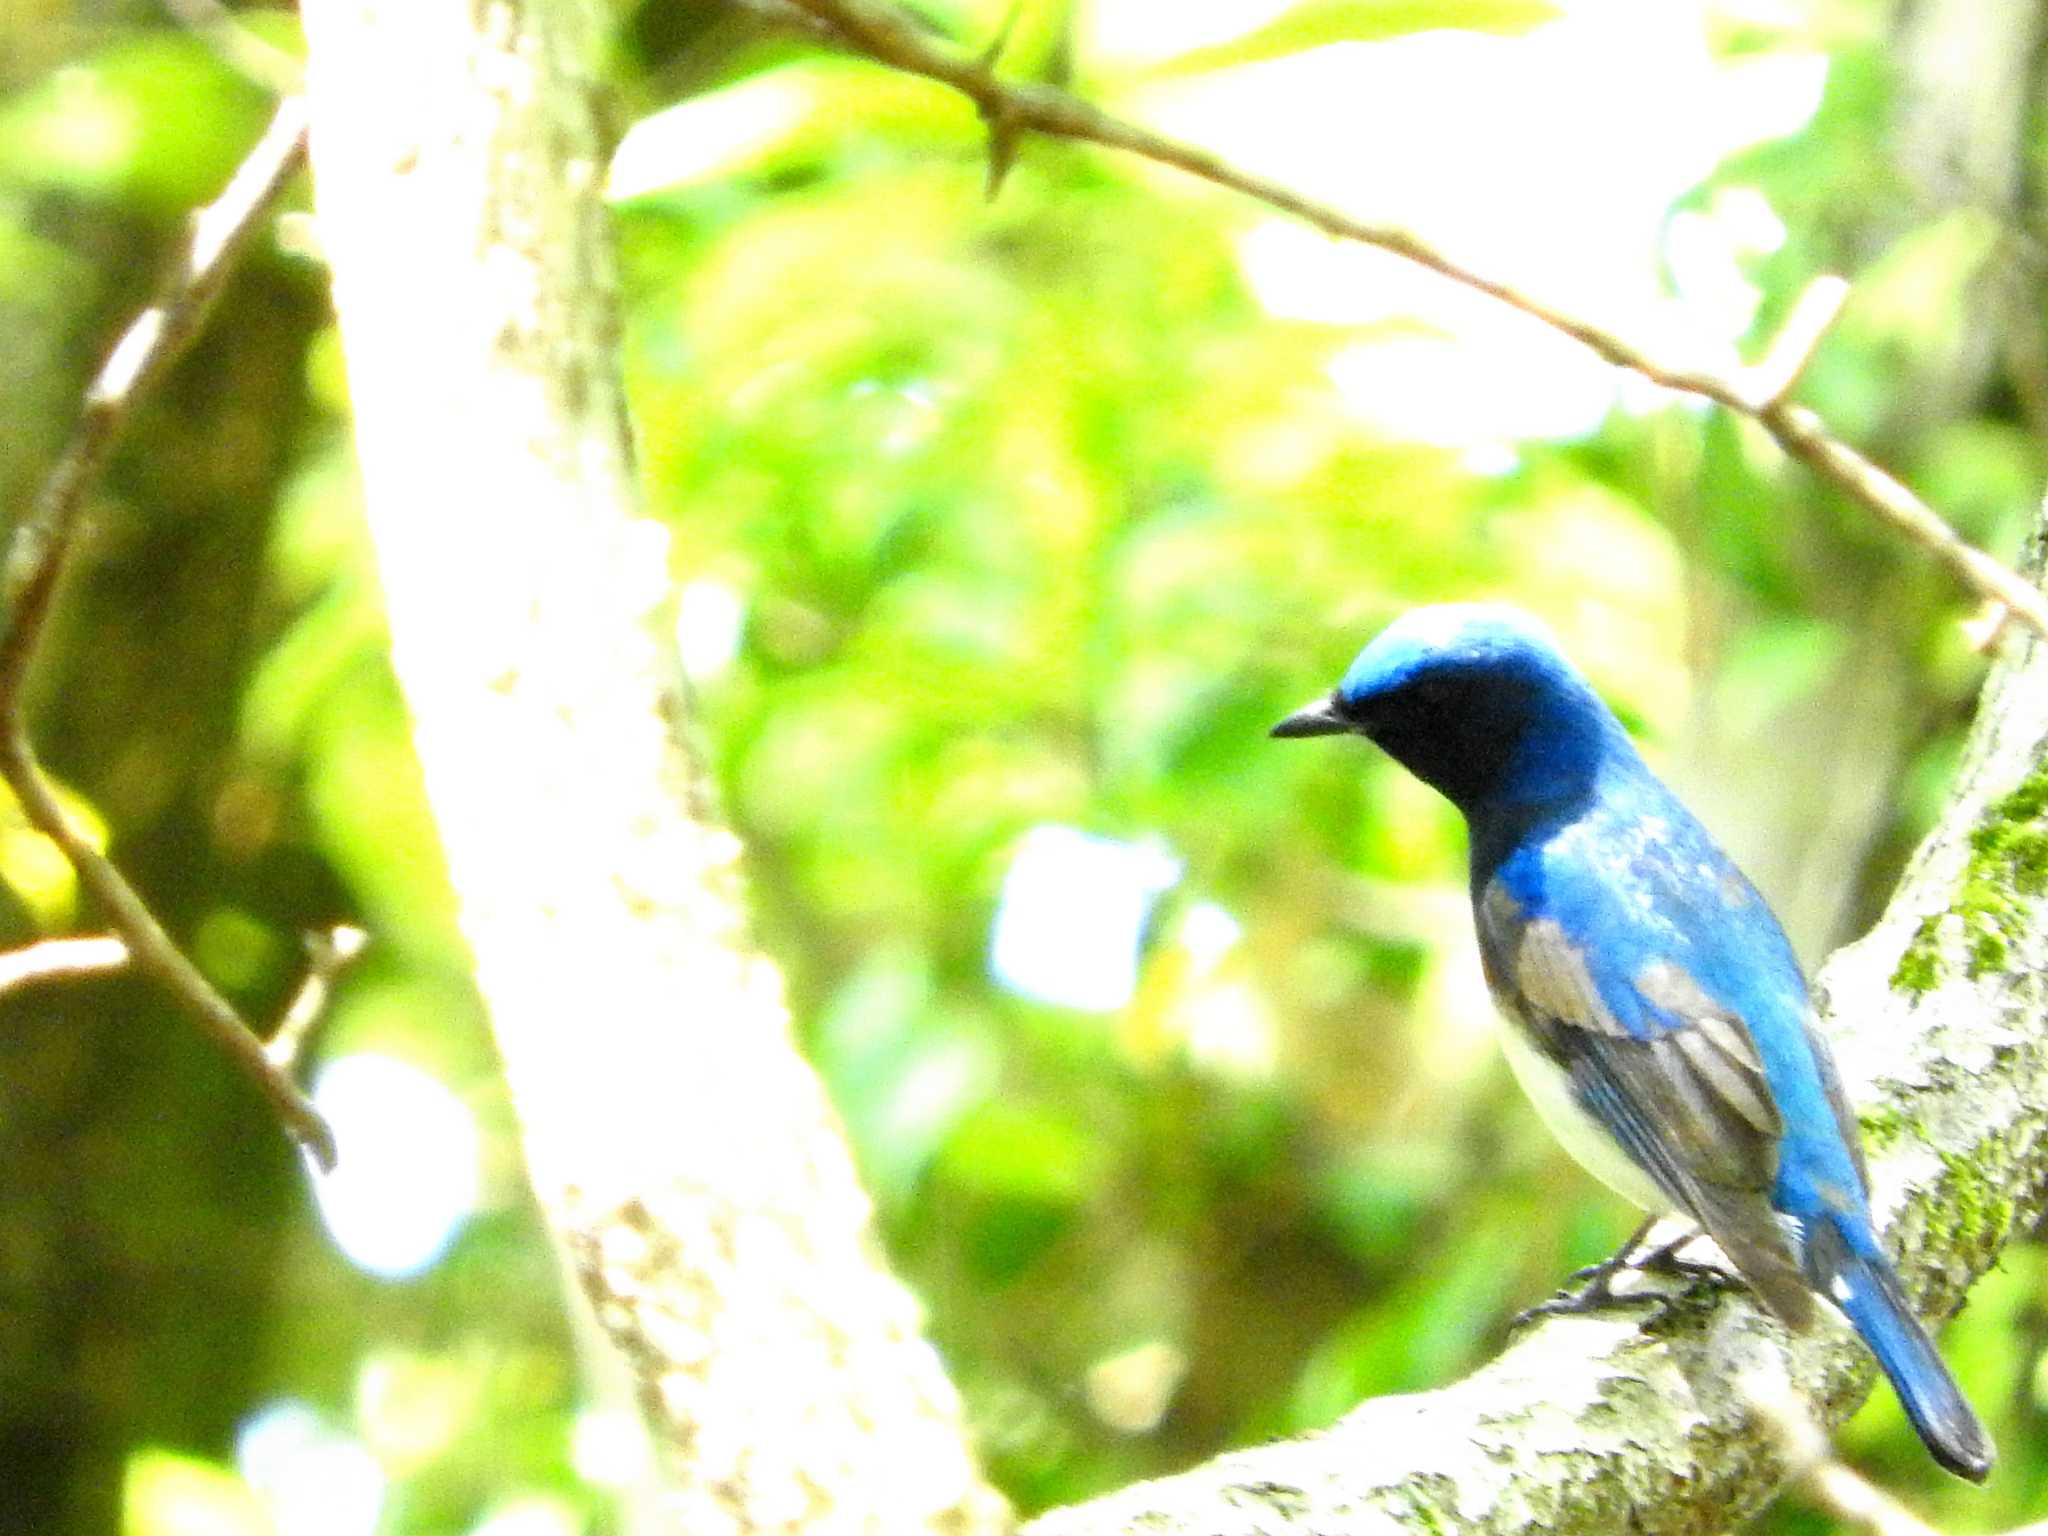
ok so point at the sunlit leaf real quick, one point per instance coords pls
(166, 1494)
(156, 117)
(34, 868)
(1318, 23)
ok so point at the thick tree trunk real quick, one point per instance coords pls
(678, 1144)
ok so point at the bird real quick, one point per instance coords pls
(1657, 1015)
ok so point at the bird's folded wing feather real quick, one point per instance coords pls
(1679, 1084)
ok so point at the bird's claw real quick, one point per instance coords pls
(1592, 1289)
(1586, 1291)
(1664, 1260)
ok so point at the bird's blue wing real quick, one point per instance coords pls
(1673, 1076)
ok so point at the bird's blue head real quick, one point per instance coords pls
(1474, 699)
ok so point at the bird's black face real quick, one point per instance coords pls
(1456, 732)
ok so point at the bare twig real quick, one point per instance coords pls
(1791, 353)
(1983, 629)
(788, 13)
(56, 959)
(326, 954)
(35, 561)
(890, 36)
(1837, 1488)
(1003, 135)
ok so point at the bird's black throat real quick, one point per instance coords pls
(1509, 755)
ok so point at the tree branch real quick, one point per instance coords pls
(1784, 363)
(38, 553)
(890, 36)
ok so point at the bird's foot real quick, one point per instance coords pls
(1587, 1291)
(1664, 1260)
(1592, 1289)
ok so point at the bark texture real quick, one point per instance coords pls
(677, 1142)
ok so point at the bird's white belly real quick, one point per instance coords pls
(1583, 1136)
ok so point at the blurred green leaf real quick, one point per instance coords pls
(1985, 476)
(1915, 292)
(1374, 1200)
(1772, 666)
(237, 950)
(901, 1071)
(1023, 1152)
(155, 118)
(1317, 23)
(166, 1494)
(370, 810)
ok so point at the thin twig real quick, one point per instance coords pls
(1983, 629)
(58, 959)
(326, 954)
(35, 562)
(1837, 1488)
(890, 36)
(1773, 378)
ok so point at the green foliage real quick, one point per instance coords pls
(122, 126)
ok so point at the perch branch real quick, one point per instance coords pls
(890, 36)
(37, 554)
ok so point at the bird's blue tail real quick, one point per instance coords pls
(1868, 1293)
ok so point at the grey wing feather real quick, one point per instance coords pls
(1715, 1163)
(1690, 1104)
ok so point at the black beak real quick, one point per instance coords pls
(1321, 718)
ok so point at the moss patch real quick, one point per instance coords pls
(1881, 1125)
(2008, 868)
